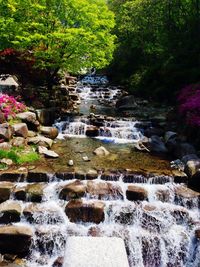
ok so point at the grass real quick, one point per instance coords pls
(19, 156)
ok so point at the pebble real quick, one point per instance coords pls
(70, 162)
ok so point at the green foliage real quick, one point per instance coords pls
(58, 34)
(18, 156)
(158, 44)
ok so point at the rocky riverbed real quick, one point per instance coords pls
(112, 177)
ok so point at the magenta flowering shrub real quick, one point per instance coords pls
(189, 104)
(10, 106)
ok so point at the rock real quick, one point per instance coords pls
(19, 193)
(50, 132)
(41, 141)
(5, 190)
(157, 145)
(79, 211)
(126, 102)
(186, 193)
(65, 175)
(34, 192)
(6, 131)
(169, 135)
(8, 162)
(74, 97)
(73, 190)
(13, 175)
(5, 146)
(30, 119)
(163, 195)
(192, 166)
(16, 240)
(91, 174)
(189, 157)
(41, 175)
(46, 116)
(92, 131)
(47, 153)
(10, 212)
(58, 262)
(21, 129)
(86, 158)
(179, 176)
(19, 142)
(135, 193)
(70, 162)
(183, 149)
(98, 251)
(153, 131)
(101, 151)
(103, 190)
(193, 182)
(32, 134)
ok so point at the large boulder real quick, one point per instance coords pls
(157, 145)
(73, 190)
(101, 151)
(6, 131)
(50, 132)
(10, 212)
(5, 190)
(46, 116)
(135, 193)
(21, 129)
(34, 192)
(92, 131)
(192, 166)
(182, 149)
(16, 240)
(126, 102)
(103, 190)
(79, 211)
(30, 119)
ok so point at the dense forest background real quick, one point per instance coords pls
(158, 46)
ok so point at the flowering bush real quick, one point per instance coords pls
(10, 106)
(189, 104)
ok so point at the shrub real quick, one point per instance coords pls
(19, 156)
(189, 104)
(10, 106)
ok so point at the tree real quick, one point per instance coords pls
(58, 34)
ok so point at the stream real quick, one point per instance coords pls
(157, 224)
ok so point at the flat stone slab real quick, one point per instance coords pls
(95, 252)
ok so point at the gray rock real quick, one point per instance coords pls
(169, 135)
(189, 157)
(19, 142)
(101, 151)
(6, 131)
(21, 129)
(183, 149)
(157, 145)
(127, 102)
(41, 141)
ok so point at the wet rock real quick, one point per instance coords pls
(184, 192)
(124, 215)
(19, 142)
(13, 175)
(58, 262)
(180, 214)
(10, 212)
(41, 141)
(101, 151)
(5, 146)
(104, 191)
(92, 131)
(169, 135)
(127, 102)
(192, 166)
(15, 240)
(6, 131)
(73, 190)
(163, 195)
(135, 193)
(193, 182)
(110, 176)
(189, 157)
(157, 145)
(65, 175)
(38, 176)
(47, 153)
(34, 192)
(79, 211)
(50, 132)
(19, 193)
(151, 252)
(183, 149)
(21, 129)
(80, 175)
(5, 190)
(91, 175)
(179, 176)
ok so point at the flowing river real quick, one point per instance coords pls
(157, 223)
